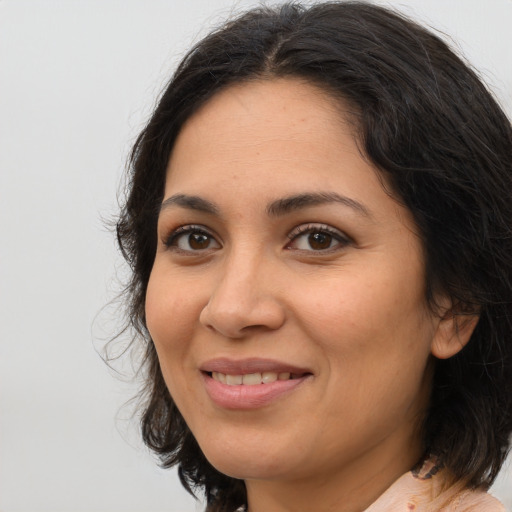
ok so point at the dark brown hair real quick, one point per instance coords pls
(436, 134)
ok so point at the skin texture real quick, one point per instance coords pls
(253, 286)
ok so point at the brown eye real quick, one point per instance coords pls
(191, 239)
(317, 238)
(198, 241)
(319, 241)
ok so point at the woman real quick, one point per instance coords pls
(319, 225)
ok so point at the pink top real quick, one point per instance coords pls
(427, 490)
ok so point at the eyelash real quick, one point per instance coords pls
(305, 229)
(171, 241)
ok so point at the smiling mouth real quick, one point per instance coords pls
(252, 379)
(251, 383)
(254, 390)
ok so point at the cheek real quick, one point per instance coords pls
(370, 325)
(171, 319)
(375, 340)
(171, 315)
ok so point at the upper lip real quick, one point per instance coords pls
(250, 365)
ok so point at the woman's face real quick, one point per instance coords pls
(287, 298)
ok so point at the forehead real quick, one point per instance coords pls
(287, 125)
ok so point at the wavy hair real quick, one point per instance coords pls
(437, 136)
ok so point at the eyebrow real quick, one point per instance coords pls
(276, 208)
(190, 203)
(296, 202)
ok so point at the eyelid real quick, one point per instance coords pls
(309, 228)
(171, 236)
(169, 240)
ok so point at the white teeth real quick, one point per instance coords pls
(234, 380)
(221, 377)
(250, 379)
(267, 377)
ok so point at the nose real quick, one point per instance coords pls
(244, 300)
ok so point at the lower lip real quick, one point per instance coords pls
(249, 397)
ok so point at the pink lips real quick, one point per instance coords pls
(250, 396)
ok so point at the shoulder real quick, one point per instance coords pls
(432, 489)
(452, 496)
(472, 501)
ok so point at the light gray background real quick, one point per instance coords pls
(77, 79)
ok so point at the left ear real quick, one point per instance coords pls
(453, 331)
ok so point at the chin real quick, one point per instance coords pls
(243, 469)
(250, 460)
